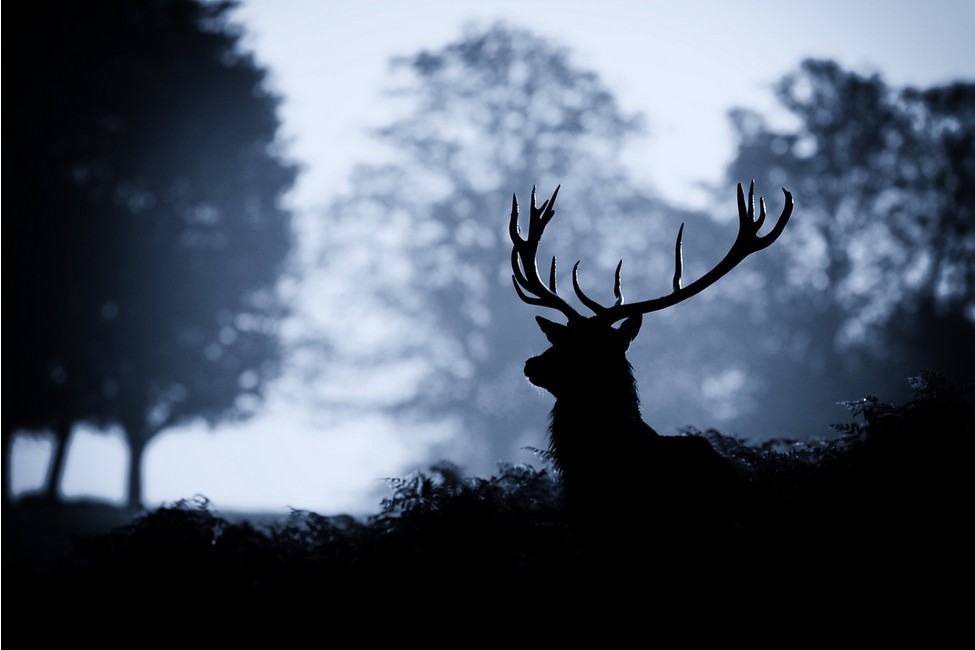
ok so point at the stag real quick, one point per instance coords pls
(614, 467)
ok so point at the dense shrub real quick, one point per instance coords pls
(885, 502)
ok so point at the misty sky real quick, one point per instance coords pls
(682, 65)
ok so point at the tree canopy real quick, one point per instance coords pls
(148, 232)
(417, 265)
(878, 282)
(419, 257)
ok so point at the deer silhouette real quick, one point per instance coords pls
(617, 472)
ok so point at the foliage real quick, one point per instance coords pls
(516, 488)
(146, 236)
(885, 175)
(419, 249)
(837, 513)
(418, 256)
(874, 275)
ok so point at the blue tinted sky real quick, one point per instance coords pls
(681, 64)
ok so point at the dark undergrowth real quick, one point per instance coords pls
(879, 513)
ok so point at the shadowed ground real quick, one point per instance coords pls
(878, 517)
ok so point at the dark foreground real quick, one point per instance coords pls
(879, 517)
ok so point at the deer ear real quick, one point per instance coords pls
(631, 327)
(553, 331)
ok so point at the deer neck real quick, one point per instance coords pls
(585, 422)
(609, 403)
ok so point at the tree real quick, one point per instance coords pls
(428, 326)
(146, 234)
(880, 282)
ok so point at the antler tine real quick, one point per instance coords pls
(678, 259)
(748, 241)
(528, 284)
(749, 224)
(589, 302)
(586, 300)
(617, 285)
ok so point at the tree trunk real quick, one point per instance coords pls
(6, 455)
(62, 436)
(137, 448)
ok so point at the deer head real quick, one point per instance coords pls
(583, 356)
(593, 339)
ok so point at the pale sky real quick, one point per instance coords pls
(681, 64)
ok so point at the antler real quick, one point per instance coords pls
(527, 281)
(525, 276)
(747, 242)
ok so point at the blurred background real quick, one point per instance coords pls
(258, 251)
